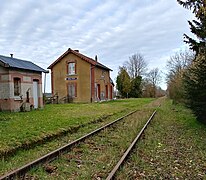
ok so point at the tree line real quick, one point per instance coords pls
(186, 78)
(135, 81)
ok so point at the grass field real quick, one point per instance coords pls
(21, 130)
(96, 156)
(173, 147)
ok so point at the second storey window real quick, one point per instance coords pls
(17, 86)
(71, 68)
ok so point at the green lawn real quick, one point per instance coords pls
(22, 129)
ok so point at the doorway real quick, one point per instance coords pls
(98, 92)
(35, 94)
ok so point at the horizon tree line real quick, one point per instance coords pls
(134, 80)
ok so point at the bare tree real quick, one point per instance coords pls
(177, 65)
(154, 78)
(178, 62)
(136, 65)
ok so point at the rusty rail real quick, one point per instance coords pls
(54, 154)
(112, 173)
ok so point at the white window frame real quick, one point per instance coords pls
(17, 86)
(72, 68)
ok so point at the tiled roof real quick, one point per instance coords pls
(88, 59)
(10, 62)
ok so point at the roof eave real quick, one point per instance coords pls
(4, 64)
(66, 53)
(58, 59)
(104, 67)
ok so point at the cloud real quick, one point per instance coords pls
(41, 31)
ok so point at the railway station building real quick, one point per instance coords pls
(78, 78)
(20, 84)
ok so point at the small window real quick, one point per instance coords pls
(71, 68)
(17, 86)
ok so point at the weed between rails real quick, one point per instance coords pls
(94, 158)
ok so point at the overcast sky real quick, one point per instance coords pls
(40, 31)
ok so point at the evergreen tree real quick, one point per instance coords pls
(195, 85)
(195, 76)
(123, 82)
(136, 89)
(198, 27)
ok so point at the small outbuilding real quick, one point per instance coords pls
(20, 84)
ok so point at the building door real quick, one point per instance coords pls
(106, 88)
(71, 90)
(35, 94)
(111, 92)
(98, 92)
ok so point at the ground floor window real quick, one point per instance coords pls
(98, 92)
(106, 88)
(111, 92)
(17, 86)
(72, 90)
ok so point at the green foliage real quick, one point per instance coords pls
(195, 86)
(123, 82)
(136, 90)
(195, 76)
(197, 26)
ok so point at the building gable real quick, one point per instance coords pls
(83, 57)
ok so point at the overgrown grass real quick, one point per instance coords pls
(24, 156)
(94, 158)
(173, 147)
(20, 130)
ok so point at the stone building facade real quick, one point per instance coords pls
(20, 85)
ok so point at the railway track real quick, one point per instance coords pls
(20, 172)
(128, 151)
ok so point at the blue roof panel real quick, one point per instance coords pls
(20, 64)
